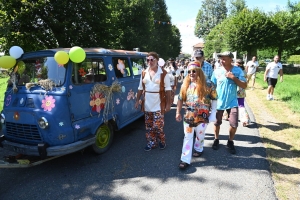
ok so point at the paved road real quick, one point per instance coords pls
(126, 171)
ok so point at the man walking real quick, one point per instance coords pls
(154, 84)
(251, 68)
(226, 79)
(271, 75)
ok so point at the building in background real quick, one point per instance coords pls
(199, 45)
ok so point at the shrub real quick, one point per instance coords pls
(294, 59)
(262, 63)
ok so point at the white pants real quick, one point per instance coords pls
(187, 148)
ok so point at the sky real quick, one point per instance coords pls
(184, 12)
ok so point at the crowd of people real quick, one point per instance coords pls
(209, 93)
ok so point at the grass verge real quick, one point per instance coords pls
(279, 126)
(3, 85)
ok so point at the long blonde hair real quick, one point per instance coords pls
(201, 88)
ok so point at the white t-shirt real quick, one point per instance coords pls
(252, 66)
(180, 68)
(170, 74)
(152, 100)
(274, 69)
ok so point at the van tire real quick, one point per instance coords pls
(103, 138)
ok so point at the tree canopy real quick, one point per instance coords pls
(212, 12)
(118, 24)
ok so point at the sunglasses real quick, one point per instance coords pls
(150, 60)
(189, 71)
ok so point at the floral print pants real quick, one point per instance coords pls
(187, 148)
(154, 122)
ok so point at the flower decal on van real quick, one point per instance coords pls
(97, 102)
(110, 67)
(81, 72)
(48, 103)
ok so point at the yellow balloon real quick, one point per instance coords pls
(7, 62)
(61, 57)
(21, 67)
(77, 54)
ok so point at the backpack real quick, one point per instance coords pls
(162, 93)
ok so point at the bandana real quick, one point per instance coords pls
(193, 65)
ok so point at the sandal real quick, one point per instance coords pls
(197, 154)
(183, 165)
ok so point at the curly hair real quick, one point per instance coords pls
(201, 88)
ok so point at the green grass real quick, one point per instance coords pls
(287, 91)
(3, 84)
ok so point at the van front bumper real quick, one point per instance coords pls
(42, 149)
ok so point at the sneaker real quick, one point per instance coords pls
(231, 147)
(162, 146)
(215, 145)
(268, 98)
(271, 98)
(148, 148)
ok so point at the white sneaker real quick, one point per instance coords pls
(268, 98)
(271, 98)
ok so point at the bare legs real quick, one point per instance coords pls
(232, 132)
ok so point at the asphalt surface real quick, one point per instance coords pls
(126, 171)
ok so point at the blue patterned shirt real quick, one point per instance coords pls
(207, 69)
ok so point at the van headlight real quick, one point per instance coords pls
(43, 123)
(2, 118)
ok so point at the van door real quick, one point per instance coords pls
(84, 77)
(127, 73)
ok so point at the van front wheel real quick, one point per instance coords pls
(103, 139)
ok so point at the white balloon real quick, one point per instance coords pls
(16, 52)
(161, 62)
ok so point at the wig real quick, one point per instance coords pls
(201, 88)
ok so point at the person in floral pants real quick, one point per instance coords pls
(154, 115)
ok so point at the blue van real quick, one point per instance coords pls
(53, 110)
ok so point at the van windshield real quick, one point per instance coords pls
(36, 69)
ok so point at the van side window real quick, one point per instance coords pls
(121, 67)
(138, 65)
(89, 71)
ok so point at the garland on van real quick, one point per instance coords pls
(108, 93)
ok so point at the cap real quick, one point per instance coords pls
(239, 61)
(226, 53)
(198, 53)
(194, 64)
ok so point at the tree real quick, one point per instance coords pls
(236, 6)
(116, 24)
(132, 23)
(248, 31)
(54, 23)
(212, 12)
(166, 37)
(215, 41)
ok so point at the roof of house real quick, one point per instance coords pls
(200, 44)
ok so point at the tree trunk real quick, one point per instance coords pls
(279, 52)
(251, 53)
